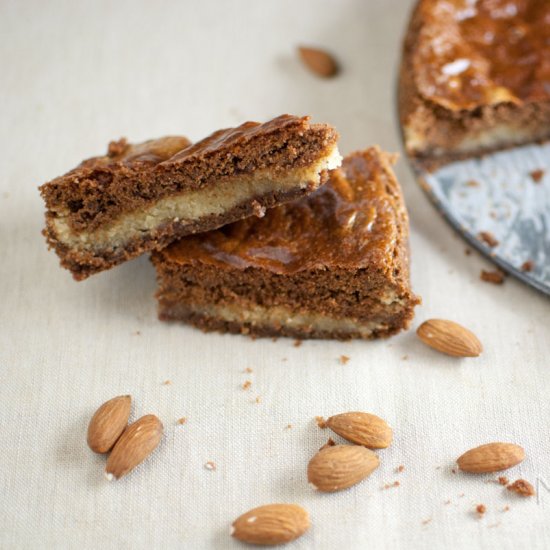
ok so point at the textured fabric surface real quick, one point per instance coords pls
(77, 74)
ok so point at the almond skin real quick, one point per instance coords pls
(137, 442)
(271, 524)
(491, 457)
(362, 428)
(318, 61)
(340, 466)
(449, 338)
(108, 423)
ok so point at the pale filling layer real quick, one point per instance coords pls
(500, 135)
(191, 206)
(280, 316)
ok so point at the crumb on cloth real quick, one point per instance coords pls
(321, 422)
(522, 488)
(495, 277)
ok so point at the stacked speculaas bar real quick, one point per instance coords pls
(243, 238)
(331, 265)
(139, 198)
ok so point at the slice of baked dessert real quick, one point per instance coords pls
(334, 264)
(475, 77)
(141, 197)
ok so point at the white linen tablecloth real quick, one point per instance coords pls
(75, 75)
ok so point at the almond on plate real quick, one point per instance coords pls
(108, 423)
(491, 457)
(271, 524)
(362, 428)
(450, 338)
(340, 466)
(137, 442)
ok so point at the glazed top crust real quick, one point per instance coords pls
(471, 53)
(175, 149)
(357, 219)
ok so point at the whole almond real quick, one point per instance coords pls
(491, 457)
(450, 338)
(137, 442)
(108, 422)
(318, 61)
(362, 428)
(271, 524)
(340, 466)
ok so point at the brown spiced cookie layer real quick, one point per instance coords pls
(334, 264)
(475, 77)
(139, 198)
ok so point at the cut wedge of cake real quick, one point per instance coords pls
(475, 77)
(139, 198)
(334, 264)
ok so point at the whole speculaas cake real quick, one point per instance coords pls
(334, 264)
(142, 197)
(475, 76)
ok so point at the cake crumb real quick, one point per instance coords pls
(528, 266)
(460, 495)
(506, 508)
(400, 469)
(210, 465)
(321, 422)
(467, 251)
(522, 487)
(453, 471)
(181, 421)
(496, 277)
(248, 370)
(258, 400)
(246, 385)
(344, 359)
(472, 183)
(137, 333)
(481, 509)
(405, 358)
(329, 443)
(167, 383)
(537, 175)
(494, 525)
(297, 343)
(447, 502)
(274, 339)
(118, 147)
(391, 485)
(488, 238)
(426, 521)
(258, 209)
(503, 480)
(288, 427)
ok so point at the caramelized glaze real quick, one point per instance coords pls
(234, 137)
(171, 149)
(478, 52)
(355, 220)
